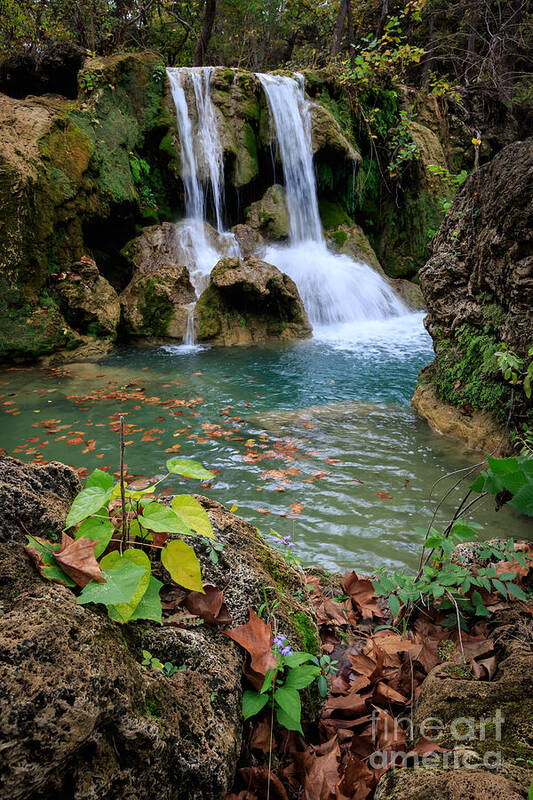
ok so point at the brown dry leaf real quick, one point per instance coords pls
(323, 773)
(258, 778)
(361, 592)
(209, 606)
(385, 694)
(352, 703)
(260, 739)
(330, 613)
(256, 638)
(76, 558)
(358, 779)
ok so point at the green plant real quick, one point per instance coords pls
(283, 683)
(88, 80)
(401, 145)
(213, 549)
(159, 74)
(443, 580)
(168, 668)
(514, 370)
(117, 532)
(452, 182)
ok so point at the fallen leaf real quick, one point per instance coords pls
(256, 638)
(209, 606)
(76, 558)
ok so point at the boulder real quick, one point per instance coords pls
(79, 714)
(269, 216)
(249, 301)
(410, 292)
(478, 287)
(155, 248)
(477, 430)
(327, 134)
(157, 305)
(249, 240)
(430, 783)
(88, 301)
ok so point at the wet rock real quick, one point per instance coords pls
(157, 305)
(79, 715)
(249, 301)
(269, 216)
(88, 301)
(477, 430)
(410, 293)
(248, 239)
(155, 248)
(327, 134)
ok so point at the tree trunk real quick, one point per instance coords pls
(339, 27)
(383, 18)
(207, 28)
(429, 51)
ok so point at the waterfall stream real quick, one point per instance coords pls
(337, 291)
(202, 172)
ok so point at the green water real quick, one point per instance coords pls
(320, 434)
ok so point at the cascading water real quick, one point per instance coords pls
(203, 178)
(334, 288)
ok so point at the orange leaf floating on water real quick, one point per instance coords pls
(383, 495)
(262, 510)
(77, 440)
(297, 508)
(76, 558)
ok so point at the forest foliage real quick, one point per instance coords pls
(461, 46)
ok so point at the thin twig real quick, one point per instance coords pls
(122, 490)
(457, 612)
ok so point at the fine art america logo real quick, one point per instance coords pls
(462, 734)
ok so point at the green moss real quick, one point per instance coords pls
(207, 314)
(338, 239)
(333, 215)
(156, 311)
(307, 630)
(466, 371)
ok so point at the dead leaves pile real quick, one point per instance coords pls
(379, 677)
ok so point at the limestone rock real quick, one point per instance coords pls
(249, 301)
(429, 783)
(269, 216)
(477, 430)
(79, 715)
(157, 305)
(156, 247)
(481, 253)
(478, 287)
(326, 134)
(410, 293)
(88, 301)
(248, 239)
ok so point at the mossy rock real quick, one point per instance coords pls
(269, 216)
(157, 305)
(249, 301)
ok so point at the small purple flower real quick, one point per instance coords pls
(282, 646)
(287, 542)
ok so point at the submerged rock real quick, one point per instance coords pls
(249, 301)
(79, 715)
(269, 216)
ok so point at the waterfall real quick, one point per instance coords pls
(202, 172)
(334, 288)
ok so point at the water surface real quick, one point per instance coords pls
(320, 434)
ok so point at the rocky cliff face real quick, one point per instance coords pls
(478, 287)
(81, 177)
